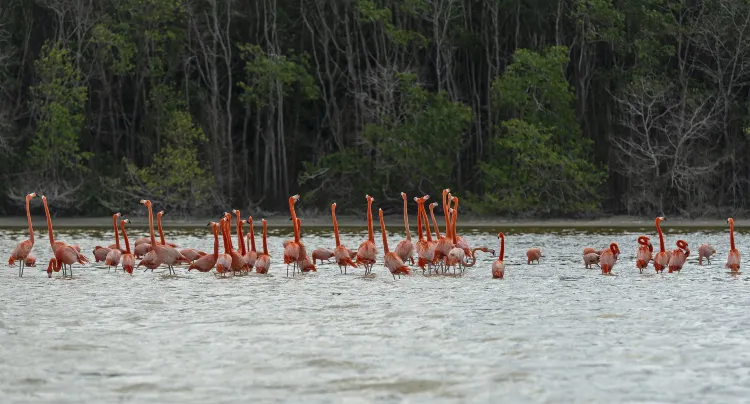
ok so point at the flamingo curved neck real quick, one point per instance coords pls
(446, 209)
(335, 227)
(265, 245)
(502, 248)
(731, 235)
(453, 225)
(434, 223)
(240, 238)
(382, 230)
(428, 231)
(49, 225)
(661, 236)
(151, 226)
(252, 235)
(406, 221)
(28, 219)
(125, 237)
(117, 235)
(419, 222)
(216, 241)
(370, 231)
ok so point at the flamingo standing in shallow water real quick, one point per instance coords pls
(678, 257)
(306, 264)
(533, 254)
(430, 254)
(166, 254)
(127, 259)
(251, 255)
(321, 254)
(65, 255)
(391, 260)
(23, 250)
(590, 259)
(113, 256)
(607, 259)
(643, 253)
(423, 246)
(100, 253)
(733, 259)
(498, 267)
(445, 243)
(263, 263)
(224, 261)
(405, 248)
(661, 260)
(238, 260)
(705, 251)
(208, 261)
(292, 253)
(367, 251)
(341, 254)
(456, 255)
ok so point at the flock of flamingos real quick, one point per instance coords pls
(439, 255)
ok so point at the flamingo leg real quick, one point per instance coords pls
(20, 268)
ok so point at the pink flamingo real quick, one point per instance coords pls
(167, 254)
(113, 256)
(425, 247)
(405, 248)
(292, 248)
(263, 263)
(533, 254)
(65, 255)
(661, 260)
(590, 259)
(128, 260)
(321, 254)
(100, 253)
(341, 254)
(678, 257)
(391, 260)
(367, 251)
(238, 261)
(161, 232)
(607, 259)
(207, 262)
(643, 253)
(705, 251)
(431, 244)
(241, 240)
(444, 244)
(30, 261)
(498, 267)
(251, 255)
(224, 261)
(458, 240)
(733, 259)
(23, 250)
(456, 255)
(306, 264)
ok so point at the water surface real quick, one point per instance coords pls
(551, 333)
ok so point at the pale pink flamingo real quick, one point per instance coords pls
(444, 244)
(263, 263)
(367, 251)
(607, 259)
(207, 262)
(251, 255)
(341, 254)
(321, 254)
(472, 255)
(431, 244)
(30, 261)
(238, 261)
(100, 253)
(456, 255)
(458, 241)
(661, 260)
(65, 255)
(705, 251)
(678, 257)
(241, 241)
(533, 254)
(23, 249)
(391, 260)
(292, 248)
(224, 261)
(405, 248)
(498, 267)
(643, 253)
(113, 256)
(167, 254)
(591, 259)
(127, 259)
(733, 259)
(306, 264)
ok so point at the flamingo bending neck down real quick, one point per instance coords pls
(391, 260)
(678, 257)
(456, 255)
(733, 259)
(643, 253)
(251, 255)
(207, 262)
(263, 263)
(341, 254)
(23, 250)
(128, 260)
(661, 260)
(100, 253)
(608, 258)
(498, 267)
(306, 264)
(705, 251)
(367, 251)
(405, 248)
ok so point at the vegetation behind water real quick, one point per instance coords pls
(557, 108)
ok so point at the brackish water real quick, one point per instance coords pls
(548, 333)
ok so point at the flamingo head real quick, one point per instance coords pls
(433, 205)
(30, 196)
(250, 220)
(682, 244)
(263, 221)
(44, 198)
(243, 221)
(614, 248)
(501, 235)
(125, 221)
(730, 221)
(160, 214)
(145, 202)
(293, 199)
(234, 211)
(425, 198)
(369, 198)
(446, 191)
(403, 195)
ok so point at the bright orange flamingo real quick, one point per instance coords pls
(263, 263)
(23, 249)
(607, 259)
(705, 251)
(65, 255)
(678, 257)
(292, 248)
(306, 265)
(367, 251)
(167, 254)
(224, 262)
(207, 262)
(241, 241)
(733, 259)
(661, 260)
(341, 254)
(498, 267)
(100, 253)
(251, 255)
(113, 256)
(405, 248)
(533, 254)
(458, 240)
(161, 231)
(391, 260)
(238, 261)
(127, 259)
(643, 253)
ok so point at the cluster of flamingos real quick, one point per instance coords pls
(438, 256)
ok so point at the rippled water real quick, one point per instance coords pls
(554, 332)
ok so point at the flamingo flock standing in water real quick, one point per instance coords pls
(449, 250)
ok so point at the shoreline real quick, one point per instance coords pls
(393, 221)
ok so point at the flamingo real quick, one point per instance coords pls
(498, 267)
(367, 251)
(166, 254)
(241, 240)
(643, 253)
(30, 261)
(533, 254)
(405, 248)
(100, 253)
(705, 251)
(23, 250)
(431, 254)
(607, 259)
(306, 264)
(207, 262)
(473, 253)
(127, 259)
(292, 248)
(391, 260)
(423, 246)
(64, 254)
(224, 261)
(444, 244)
(263, 263)
(161, 232)
(733, 259)
(678, 257)
(113, 256)
(661, 260)
(251, 255)
(591, 259)
(238, 261)
(456, 255)
(458, 241)
(341, 254)
(321, 254)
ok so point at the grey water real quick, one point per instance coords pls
(547, 333)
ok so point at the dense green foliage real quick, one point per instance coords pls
(567, 107)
